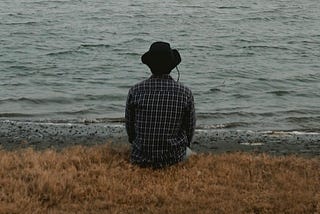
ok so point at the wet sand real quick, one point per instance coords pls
(15, 135)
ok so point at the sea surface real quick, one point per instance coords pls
(251, 64)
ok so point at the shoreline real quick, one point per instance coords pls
(17, 135)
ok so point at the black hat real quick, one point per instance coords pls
(160, 58)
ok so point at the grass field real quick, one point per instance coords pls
(100, 179)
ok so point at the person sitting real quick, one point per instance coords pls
(160, 114)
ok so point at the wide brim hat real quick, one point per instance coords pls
(161, 58)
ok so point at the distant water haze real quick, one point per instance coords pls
(252, 65)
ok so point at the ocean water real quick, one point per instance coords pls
(251, 64)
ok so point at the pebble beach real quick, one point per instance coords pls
(40, 136)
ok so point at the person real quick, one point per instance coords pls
(160, 114)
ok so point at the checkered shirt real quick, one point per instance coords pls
(160, 121)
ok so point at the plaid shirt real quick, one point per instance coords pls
(160, 121)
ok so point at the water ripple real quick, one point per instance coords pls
(77, 59)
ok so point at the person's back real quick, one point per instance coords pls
(160, 117)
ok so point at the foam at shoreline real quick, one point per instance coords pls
(40, 135)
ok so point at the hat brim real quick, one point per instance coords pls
(151, 59)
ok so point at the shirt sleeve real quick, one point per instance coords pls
(129, 118)
(190, 120)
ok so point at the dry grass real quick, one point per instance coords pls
(101, 180)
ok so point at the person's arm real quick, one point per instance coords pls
(129, 119)
(190, 120)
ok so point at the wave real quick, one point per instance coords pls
(306, 78)
(192, 6)
(258, 18)
(76, 112)
(54, 115)
(61, 53)
(304, 119)
(129, 54)
(80, 49)
(303, 123)
(231, 127)
(20, 67)
(238, 111)
(13, 115)
(280, 92)
(233, 114)
(94, 46)
(60, 100)
(16, 84)
(250, 47)
(223, 126)
(296, 93)
(20, 23)
(232, 7)
(134, 39)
